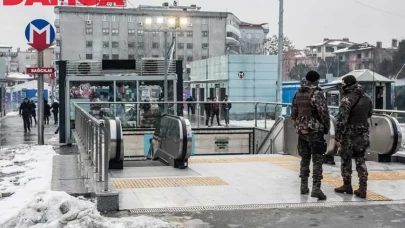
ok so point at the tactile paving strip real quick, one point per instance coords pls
(168, 182)
(386, 175)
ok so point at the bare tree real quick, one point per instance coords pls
(271, 45)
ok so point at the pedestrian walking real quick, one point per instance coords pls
(47, 112)
(25, 113)
(215, 111)
(311, 118)
(33, 112)
(227, 107)
(55, 111)
(207, 107)
(353, 135)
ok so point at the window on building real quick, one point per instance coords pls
(115, 56)
(329, 49)
(204, 33)
(89, 56)
(204, 45)
(180, 45)
(140, 44)
(229, 21)
(154, 33)
(114, 31)
(106, 31)
(232, 35)
(248, 35)
(140, 39)
(155, 45)
(114, 18)
(189, 46)
(155, 56)
(180, 33)
(106, 44)
(89, 31)
(27, 57)
(89, 43)
(204, 21)
(180, 57)
(257, 36)
(140, 56)
(131, 32)
(189, 58)
(204, 57)
(359, 56)
(114, 44)
(104, 18)
(57, 56)
(58, 30)
(131, 44)
(131, 56)
(340, 57)
(131, 19)
(140, 32)
(106, 56)
(189, 33)
(57, 43)
(319, 49)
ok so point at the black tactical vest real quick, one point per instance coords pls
(303, 100)
(359, 113)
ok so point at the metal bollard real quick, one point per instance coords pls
(256, 114)
(97, 138)
(100, 155)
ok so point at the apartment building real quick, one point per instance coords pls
(322, 51)
(253, 37)
(366, 56)
(29, 58)
(123, 33)
(10, 58)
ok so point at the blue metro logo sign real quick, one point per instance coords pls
(40, 34)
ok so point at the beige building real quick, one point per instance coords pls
(322, 51)
(29, 58)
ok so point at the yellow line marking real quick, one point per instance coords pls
(168, 182)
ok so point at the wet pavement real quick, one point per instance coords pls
(370, 216)
(12, 132)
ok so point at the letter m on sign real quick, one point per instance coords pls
(40, 38)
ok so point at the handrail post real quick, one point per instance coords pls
(256, 114)
(107, 133)
(97, 129)
(100, 155)
(198, 114)
(265, 116)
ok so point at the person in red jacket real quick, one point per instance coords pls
(215, 111)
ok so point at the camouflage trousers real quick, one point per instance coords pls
(311, 145)
(355, 146)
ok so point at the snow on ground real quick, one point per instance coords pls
(51, 209)
(12, 114)
(251, 123)
(54, 139)
(24, 171)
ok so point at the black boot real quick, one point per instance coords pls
(361, 192)
(304, 186)
(345, 188)
(317, 192)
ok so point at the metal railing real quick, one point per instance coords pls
(177, 106)
(95, 137)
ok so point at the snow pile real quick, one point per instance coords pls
(24, 171)
(51, 209)
(54, 139)
(12, 114)
(251, 123)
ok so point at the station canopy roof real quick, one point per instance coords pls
(363, 76)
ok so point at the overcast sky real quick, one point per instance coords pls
(305, 21)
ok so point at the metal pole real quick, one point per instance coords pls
(166, 86)
(41, 102)
(280, 55)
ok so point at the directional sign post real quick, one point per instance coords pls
(40, 34)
